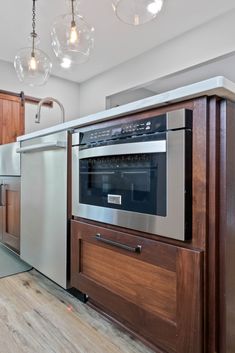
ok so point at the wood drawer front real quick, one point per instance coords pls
(132, 279)
(156, 292)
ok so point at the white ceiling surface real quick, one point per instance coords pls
(115, 42)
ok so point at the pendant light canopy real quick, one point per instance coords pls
(32, 65)
(137, 12)
(72, 37)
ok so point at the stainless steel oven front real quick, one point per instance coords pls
(136, 174)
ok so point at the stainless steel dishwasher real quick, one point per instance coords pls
(44, 205)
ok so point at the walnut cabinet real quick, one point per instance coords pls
(176, 296)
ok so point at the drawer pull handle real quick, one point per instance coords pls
(136, 249)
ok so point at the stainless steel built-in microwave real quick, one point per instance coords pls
(136, 174)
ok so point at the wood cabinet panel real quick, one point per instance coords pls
(190, 277)
(11, 213)
(132, 279)
(161, 299)
(203, 267)
(11, 118)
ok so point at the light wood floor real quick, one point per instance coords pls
(36, 316)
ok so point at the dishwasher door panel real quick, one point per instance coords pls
(44, 205)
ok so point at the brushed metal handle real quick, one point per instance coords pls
(42, 147)
(2, 195)
(136, 249)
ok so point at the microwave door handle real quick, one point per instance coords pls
(124, 149)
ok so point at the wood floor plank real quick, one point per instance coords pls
(37, 316)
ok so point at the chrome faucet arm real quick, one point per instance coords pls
(46, 100)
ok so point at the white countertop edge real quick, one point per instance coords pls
(218, 85)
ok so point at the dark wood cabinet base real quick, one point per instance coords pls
(156, 294)
(177, 296)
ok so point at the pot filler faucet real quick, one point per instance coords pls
(48, 100)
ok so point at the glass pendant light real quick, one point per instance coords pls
(32, 65)
(137, 12)
(72, 38)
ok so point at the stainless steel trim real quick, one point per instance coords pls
(76, 138)
(3, 195)
(137, 249)
(176, 119)
(132, 148)
(171, 226)
(42, 147)
(44, 207)
(9, 160)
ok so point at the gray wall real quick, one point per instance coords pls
(65, 91)
(200, 45)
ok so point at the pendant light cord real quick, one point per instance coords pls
(33, 34)
(73, 16)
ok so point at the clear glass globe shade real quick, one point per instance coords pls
(32, 70)
(137, 12)
(70, 40)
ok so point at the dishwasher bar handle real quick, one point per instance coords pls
(42, 147)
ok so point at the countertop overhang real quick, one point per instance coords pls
(218, 85)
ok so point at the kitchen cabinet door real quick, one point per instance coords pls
(11, 118)
(152, 288)
(11, 213)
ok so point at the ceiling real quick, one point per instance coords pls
(115, 42)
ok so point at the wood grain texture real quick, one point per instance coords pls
(227, 229)
(190, 303)
(212, 241)
(199, 175)
(13, 212)
(166, 254)
(146, 285)
(11, 118)
(149, 328)
(38, 316)
(142, 295)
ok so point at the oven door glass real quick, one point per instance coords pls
(135, 182)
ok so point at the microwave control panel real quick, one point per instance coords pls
(134, 128)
